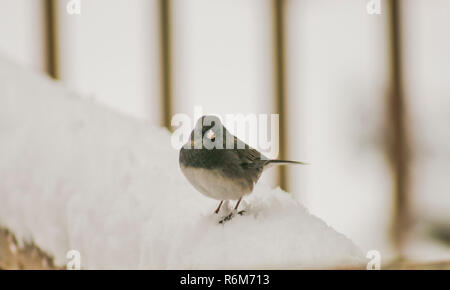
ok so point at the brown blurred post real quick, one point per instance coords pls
(280, 85)
(398, 137)
(51, 38)
(165, 63)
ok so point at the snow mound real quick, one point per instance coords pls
(75, 175)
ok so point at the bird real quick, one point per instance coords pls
(221, 166)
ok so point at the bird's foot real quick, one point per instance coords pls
(227, 218)
(231, 215)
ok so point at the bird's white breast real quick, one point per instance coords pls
(215, 185)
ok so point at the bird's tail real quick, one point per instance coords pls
(285, 162)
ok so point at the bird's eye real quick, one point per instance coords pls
(211, 135)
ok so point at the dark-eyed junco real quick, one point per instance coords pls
(219, 165)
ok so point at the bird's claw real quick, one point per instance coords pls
(231, 215)
(227, 218)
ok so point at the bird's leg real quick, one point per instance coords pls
(218, 208)
(236, 207)
(237, 204)
(231, 215)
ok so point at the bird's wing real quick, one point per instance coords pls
(247, 155)
(251, 160)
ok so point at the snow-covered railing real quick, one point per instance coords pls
(77, 176)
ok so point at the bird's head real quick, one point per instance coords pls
(208, 130)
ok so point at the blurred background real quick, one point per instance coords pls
(363, 96)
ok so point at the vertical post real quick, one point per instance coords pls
(165, 69)
(398, 138)
(279, 77)
(51, 38)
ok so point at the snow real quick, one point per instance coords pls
(78, 176)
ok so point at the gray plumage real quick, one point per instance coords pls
(219, 171)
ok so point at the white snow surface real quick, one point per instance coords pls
(76, 175)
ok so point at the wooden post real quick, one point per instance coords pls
(398, 137)
(166, 63)
(280, 85)
(51, 38)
